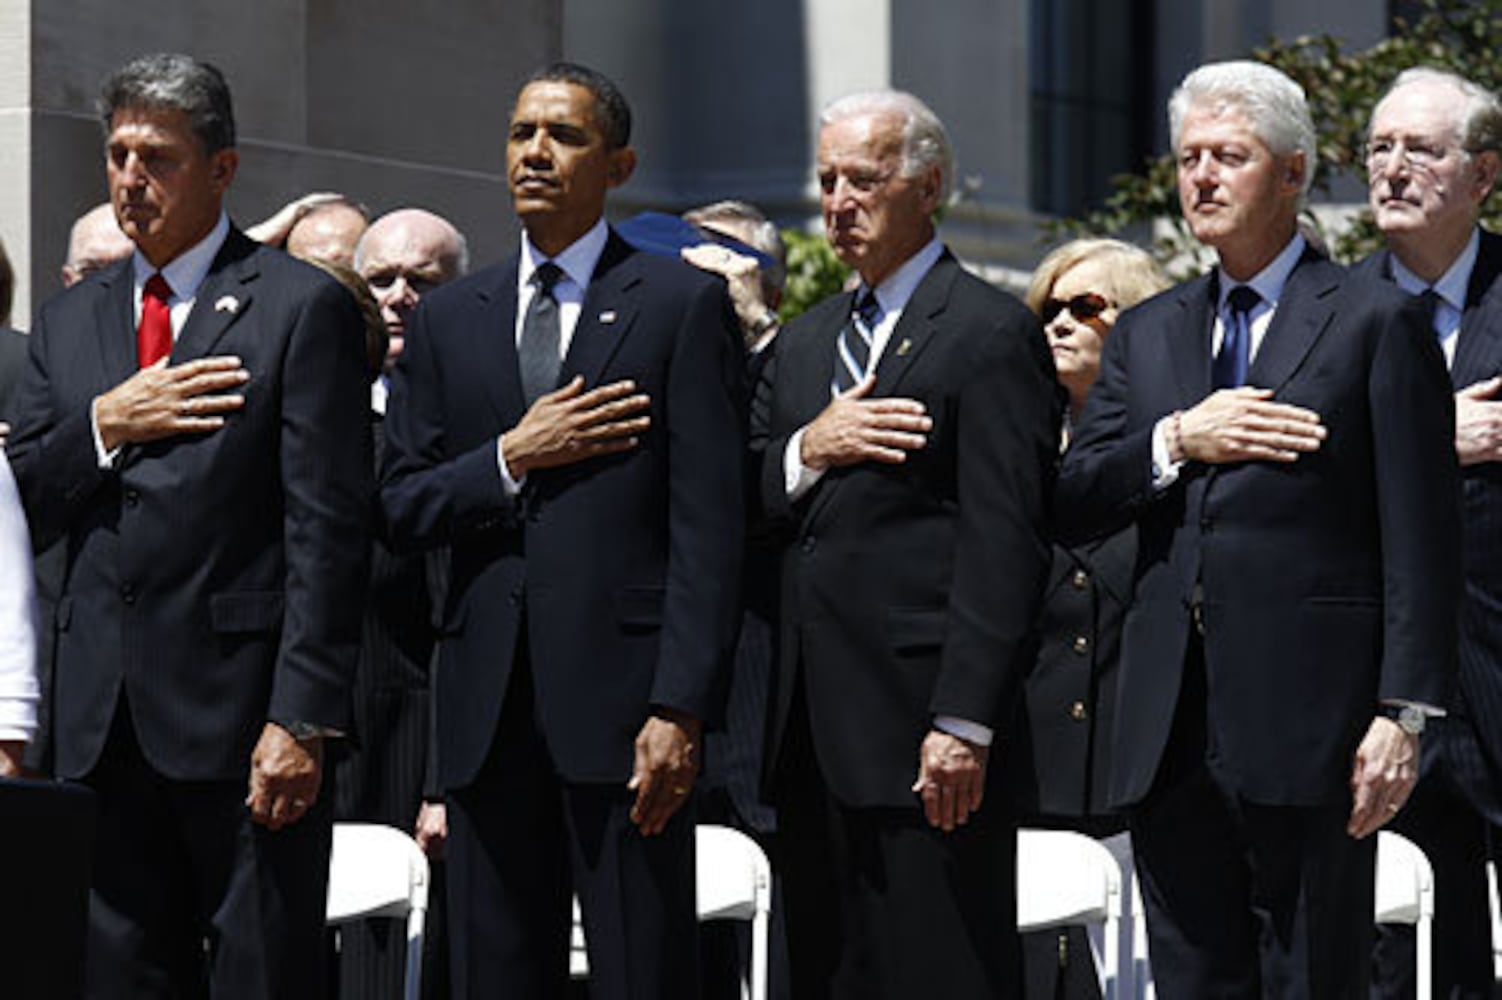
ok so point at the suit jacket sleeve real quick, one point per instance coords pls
(326, 465)
(52, 450)
(1106, 479)
(1418, 495)
(428, 495)
(1007, 445)
(706, 507)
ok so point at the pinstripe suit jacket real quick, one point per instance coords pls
(1470, 741)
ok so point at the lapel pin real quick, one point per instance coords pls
(904, 347)
(608, 316)
(227, 304)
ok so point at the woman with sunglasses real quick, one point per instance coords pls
(1062, 743)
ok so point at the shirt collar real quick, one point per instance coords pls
(186, 271)
(577, 260)
(1269, 281)
(892, 294)
(1451, 285)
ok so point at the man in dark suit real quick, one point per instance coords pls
(1279, 431)
(569, 423)
(193, 422)
(1432, 158)
(907, 450)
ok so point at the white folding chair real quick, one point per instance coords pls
(1496, 911)
(1067, 879)
(734, 882)
(1405, 895)
(379, 871)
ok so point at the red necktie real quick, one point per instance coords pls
(154, 335)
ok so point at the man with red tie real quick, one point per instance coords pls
(193, 422)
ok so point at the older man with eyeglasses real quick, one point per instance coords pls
(1432, 158)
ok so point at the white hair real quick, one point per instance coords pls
(1273, 103)
(1478, 122)
(925, 143)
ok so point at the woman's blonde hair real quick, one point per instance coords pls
(1133, 274)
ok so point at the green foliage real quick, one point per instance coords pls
(813, 272)
(1460, 35)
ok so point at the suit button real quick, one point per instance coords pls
(1081, 579)
(514, 598)
(809, 545)
(1081, 645)
(1078, 712)
(128, 593)
(1207, 524)
(132, 498)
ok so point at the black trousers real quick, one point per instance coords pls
(522, 841)
(1245, 899)
(881, 905)
(192, 899)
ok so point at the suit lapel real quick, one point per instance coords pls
(606, 315)
(917, 325)
(114, 316)
(1189, 343)
(1477, 350)
(494, 340)
(223, 297)
(1304, 311)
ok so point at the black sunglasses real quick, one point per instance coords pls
(1082, 307)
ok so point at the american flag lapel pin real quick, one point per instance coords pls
(608, 316)
(227, 303)
(904, 347)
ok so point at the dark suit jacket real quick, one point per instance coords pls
(1328, 583)
(1476, 703)
(623, 569)
(12, 365)
(214, 578)
(911, 590)
(1060, 743)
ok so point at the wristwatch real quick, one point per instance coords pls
(763, 323)
(1408, 717)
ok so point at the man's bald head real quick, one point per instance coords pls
(328, 233)
(95, 242)
(401, 256)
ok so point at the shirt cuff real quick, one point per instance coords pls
(1165, 469)
(106, 459)
(971, 732)
(511, 486)
(797, 478)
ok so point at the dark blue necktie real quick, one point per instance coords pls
(1229, 369)
(853, 347)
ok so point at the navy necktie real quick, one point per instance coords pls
(1229, 369)
(538, 355)
(853, 346)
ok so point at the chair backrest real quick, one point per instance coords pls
(1064, 879)
(734, 878)
(375, 871)
(1405, 881)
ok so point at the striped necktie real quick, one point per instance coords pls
(853, 347)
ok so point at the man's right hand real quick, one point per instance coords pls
(432, 829)
(1478, 422)
(570, 425)
(1244, 425)
(854, 429)
(162, 401)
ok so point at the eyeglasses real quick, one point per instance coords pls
(1083, 307)
(1416, 155)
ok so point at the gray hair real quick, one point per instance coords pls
(1273, 103)
(1479, 121)
(761, 234)
(173, 82)
(925, 143)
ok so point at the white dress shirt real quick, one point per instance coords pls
(577, 261)
(18, 625)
